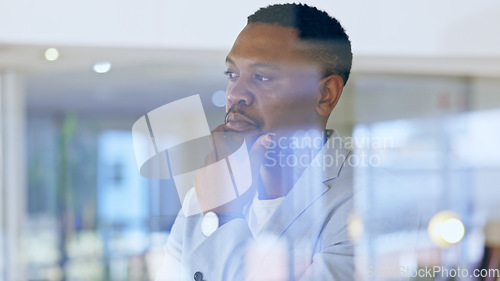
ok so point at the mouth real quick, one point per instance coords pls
(239, 123)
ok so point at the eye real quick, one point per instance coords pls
(262, 78)
(231, 75)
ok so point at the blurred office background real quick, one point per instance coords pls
(426, 75)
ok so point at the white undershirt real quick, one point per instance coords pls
(260, 212)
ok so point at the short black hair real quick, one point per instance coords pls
(328, 42)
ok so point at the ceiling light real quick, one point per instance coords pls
(51, 54)
(102, 67)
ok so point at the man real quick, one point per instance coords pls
(286, 72)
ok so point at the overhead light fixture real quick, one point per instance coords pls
(102, 67)
(51, 54)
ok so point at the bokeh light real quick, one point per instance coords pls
(219, 98)
(51, 54)
(102, 67)
(445, 229)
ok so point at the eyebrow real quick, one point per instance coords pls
(257, 64)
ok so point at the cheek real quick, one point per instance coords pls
(301, 94)
(288, 114)
(296, 104)
(306, 88)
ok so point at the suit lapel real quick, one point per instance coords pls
(309, 187)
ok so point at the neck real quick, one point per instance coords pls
(286, 161)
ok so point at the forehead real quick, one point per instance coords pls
(271, 43)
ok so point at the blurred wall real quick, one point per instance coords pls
(385, 27)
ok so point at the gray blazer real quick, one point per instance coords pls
(309, 228)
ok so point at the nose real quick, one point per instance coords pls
(239, 92)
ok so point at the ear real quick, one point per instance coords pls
(331, 88)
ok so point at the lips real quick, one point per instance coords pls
(239, 123)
